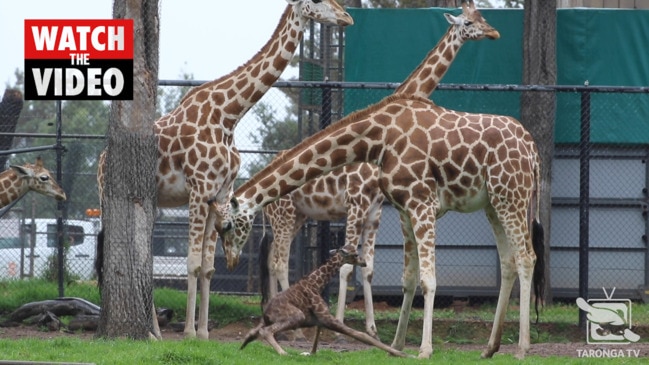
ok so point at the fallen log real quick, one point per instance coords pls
(58, 307)
(85, 314)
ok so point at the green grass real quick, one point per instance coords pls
(469, 326)
(117, 352)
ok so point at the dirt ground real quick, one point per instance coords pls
(478, 331)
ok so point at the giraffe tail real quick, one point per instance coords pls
(538, 277)
(538, 243)
(264, 273)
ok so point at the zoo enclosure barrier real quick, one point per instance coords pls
(608, 225)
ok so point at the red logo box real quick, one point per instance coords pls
(79, 59)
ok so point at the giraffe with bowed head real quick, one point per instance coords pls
(431, 160)
(198, 159)
(353, 191)
(18, 180)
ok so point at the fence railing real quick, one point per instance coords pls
(583, 112)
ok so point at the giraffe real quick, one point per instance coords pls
(197, 156)
(353, 191)
(431, 160)
(301, 305)
(18, 180)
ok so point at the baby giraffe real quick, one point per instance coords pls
(301, 306)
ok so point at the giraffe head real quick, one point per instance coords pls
(470, 24)
(322, 11)
(349, 255)
(233, 225)
(39, 179)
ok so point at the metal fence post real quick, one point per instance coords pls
(324, 227)
(59, 205)
(584, 200)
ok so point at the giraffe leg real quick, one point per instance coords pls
(345, 273)
(367, 273)
(283, 317)
(525, 266)
(508, 275)
(328, 321)
(316, 338)
(190, 312)
(525, 261)
(427, 275)
(207, 270)
(194, 260)
(252, 335)
(409, 282)
(156, 326)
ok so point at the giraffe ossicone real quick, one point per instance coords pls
(353, 191)
(197, 157)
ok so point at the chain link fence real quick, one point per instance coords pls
(613, 215)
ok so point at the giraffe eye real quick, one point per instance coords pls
(317, 1)
(44, 178)
(227, 227)
(468, 22)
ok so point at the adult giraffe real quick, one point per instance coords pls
(353, 191)
(18, 180)
(431, 160)
(197, 156)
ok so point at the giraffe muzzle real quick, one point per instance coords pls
(232, 262)
(346, 20)
(492, 34)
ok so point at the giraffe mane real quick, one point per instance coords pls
(286, 155)
(264, 49)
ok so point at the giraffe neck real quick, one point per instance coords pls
(12, 187)
(425, 78)
(359, 137)
(319, 278)
(250, 81)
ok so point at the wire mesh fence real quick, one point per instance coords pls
(467, 260)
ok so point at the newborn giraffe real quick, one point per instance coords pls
(301, 306)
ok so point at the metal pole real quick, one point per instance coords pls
(59, 205)
(324, 227)
(584, 201)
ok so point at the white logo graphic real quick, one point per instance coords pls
(609, 320)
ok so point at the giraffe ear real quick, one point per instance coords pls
(22, 171)
(453, 20)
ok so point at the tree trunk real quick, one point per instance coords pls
(538, 108)
(130, 187)
(10, 108)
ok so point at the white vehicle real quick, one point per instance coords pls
(28, 248)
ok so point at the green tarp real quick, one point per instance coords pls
(603, 47)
